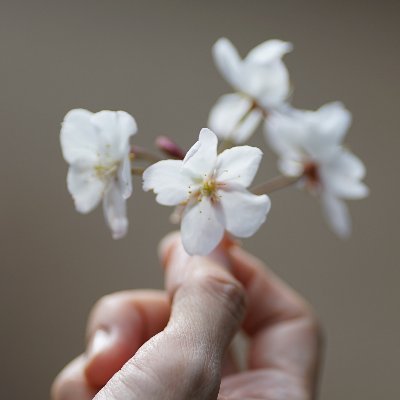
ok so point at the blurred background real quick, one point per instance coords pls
(153, 59)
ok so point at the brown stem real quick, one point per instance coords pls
(140, 153)
(225, 144)
(280, 182)
(137, 171)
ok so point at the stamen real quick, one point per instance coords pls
(311, 173)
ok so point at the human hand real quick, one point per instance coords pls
(174, 345)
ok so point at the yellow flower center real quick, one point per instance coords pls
(105, 171)
(209, 188)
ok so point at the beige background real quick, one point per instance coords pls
(152, 59)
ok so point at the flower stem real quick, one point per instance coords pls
(137, 171)
(225, 145)
(140, 153)
(280, 182)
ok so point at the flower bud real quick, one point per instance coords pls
(169, 147)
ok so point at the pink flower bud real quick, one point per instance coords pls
(169, 147)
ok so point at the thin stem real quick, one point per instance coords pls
(280, 182)
(137, 171)
(140, 153)
(225, 144)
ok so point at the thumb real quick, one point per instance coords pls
(184, 361)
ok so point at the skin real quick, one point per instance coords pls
(174, 344)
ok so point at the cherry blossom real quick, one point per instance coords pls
(262, 84)
(309, 145)
(212, 189)
(96, 146)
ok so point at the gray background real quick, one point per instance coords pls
(152, 59)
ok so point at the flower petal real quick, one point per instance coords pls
(78, 137)
(343, 186)
(333, 120)
(114, 128)
(238, 165)
(268, 51)
(347, 164)
(227, 61)
(125, 176)
(169, 180)
(265, 76)
(290, 167)
(244, 212)
(336, 214)
(201, 158)
(202, 227)
(85, 187)
(286, 133)
(268, 84)
(114, 208)
(233, 118)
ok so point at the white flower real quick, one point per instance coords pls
(261, 81)
(96, 146)
(309, 143)
(212, 189)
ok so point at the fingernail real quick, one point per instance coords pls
(178, 266)
(166, 246)
(220, 258)
(101, 340)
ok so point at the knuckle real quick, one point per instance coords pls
(315, 325)
(201, 371)
(312, 324)
(225, 288)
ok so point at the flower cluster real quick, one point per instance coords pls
(209, 184)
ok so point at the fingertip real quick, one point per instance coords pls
(104, 356)
(118, 326)
(71, 383)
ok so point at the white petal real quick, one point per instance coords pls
(233, 118)
(269, 51)
(85, 187)
(333, 121)
(169, 180)
(248, 125)
(268, 84)
(114, 208)
(125, 177)
(201, 158)
(290, 167)
(337, 215)
(286, 133)
(244, 212)
(238, 165)
(114, 128)
(202, 227)
(78, 137)
(343, 186)
(227, 60)
(347, 164)
(87, 137)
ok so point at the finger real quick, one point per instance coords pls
(118, 325)
(229, 363)
(184, 361)
(284, 331)
(174, 259)
(177, 270)
(71, 383)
